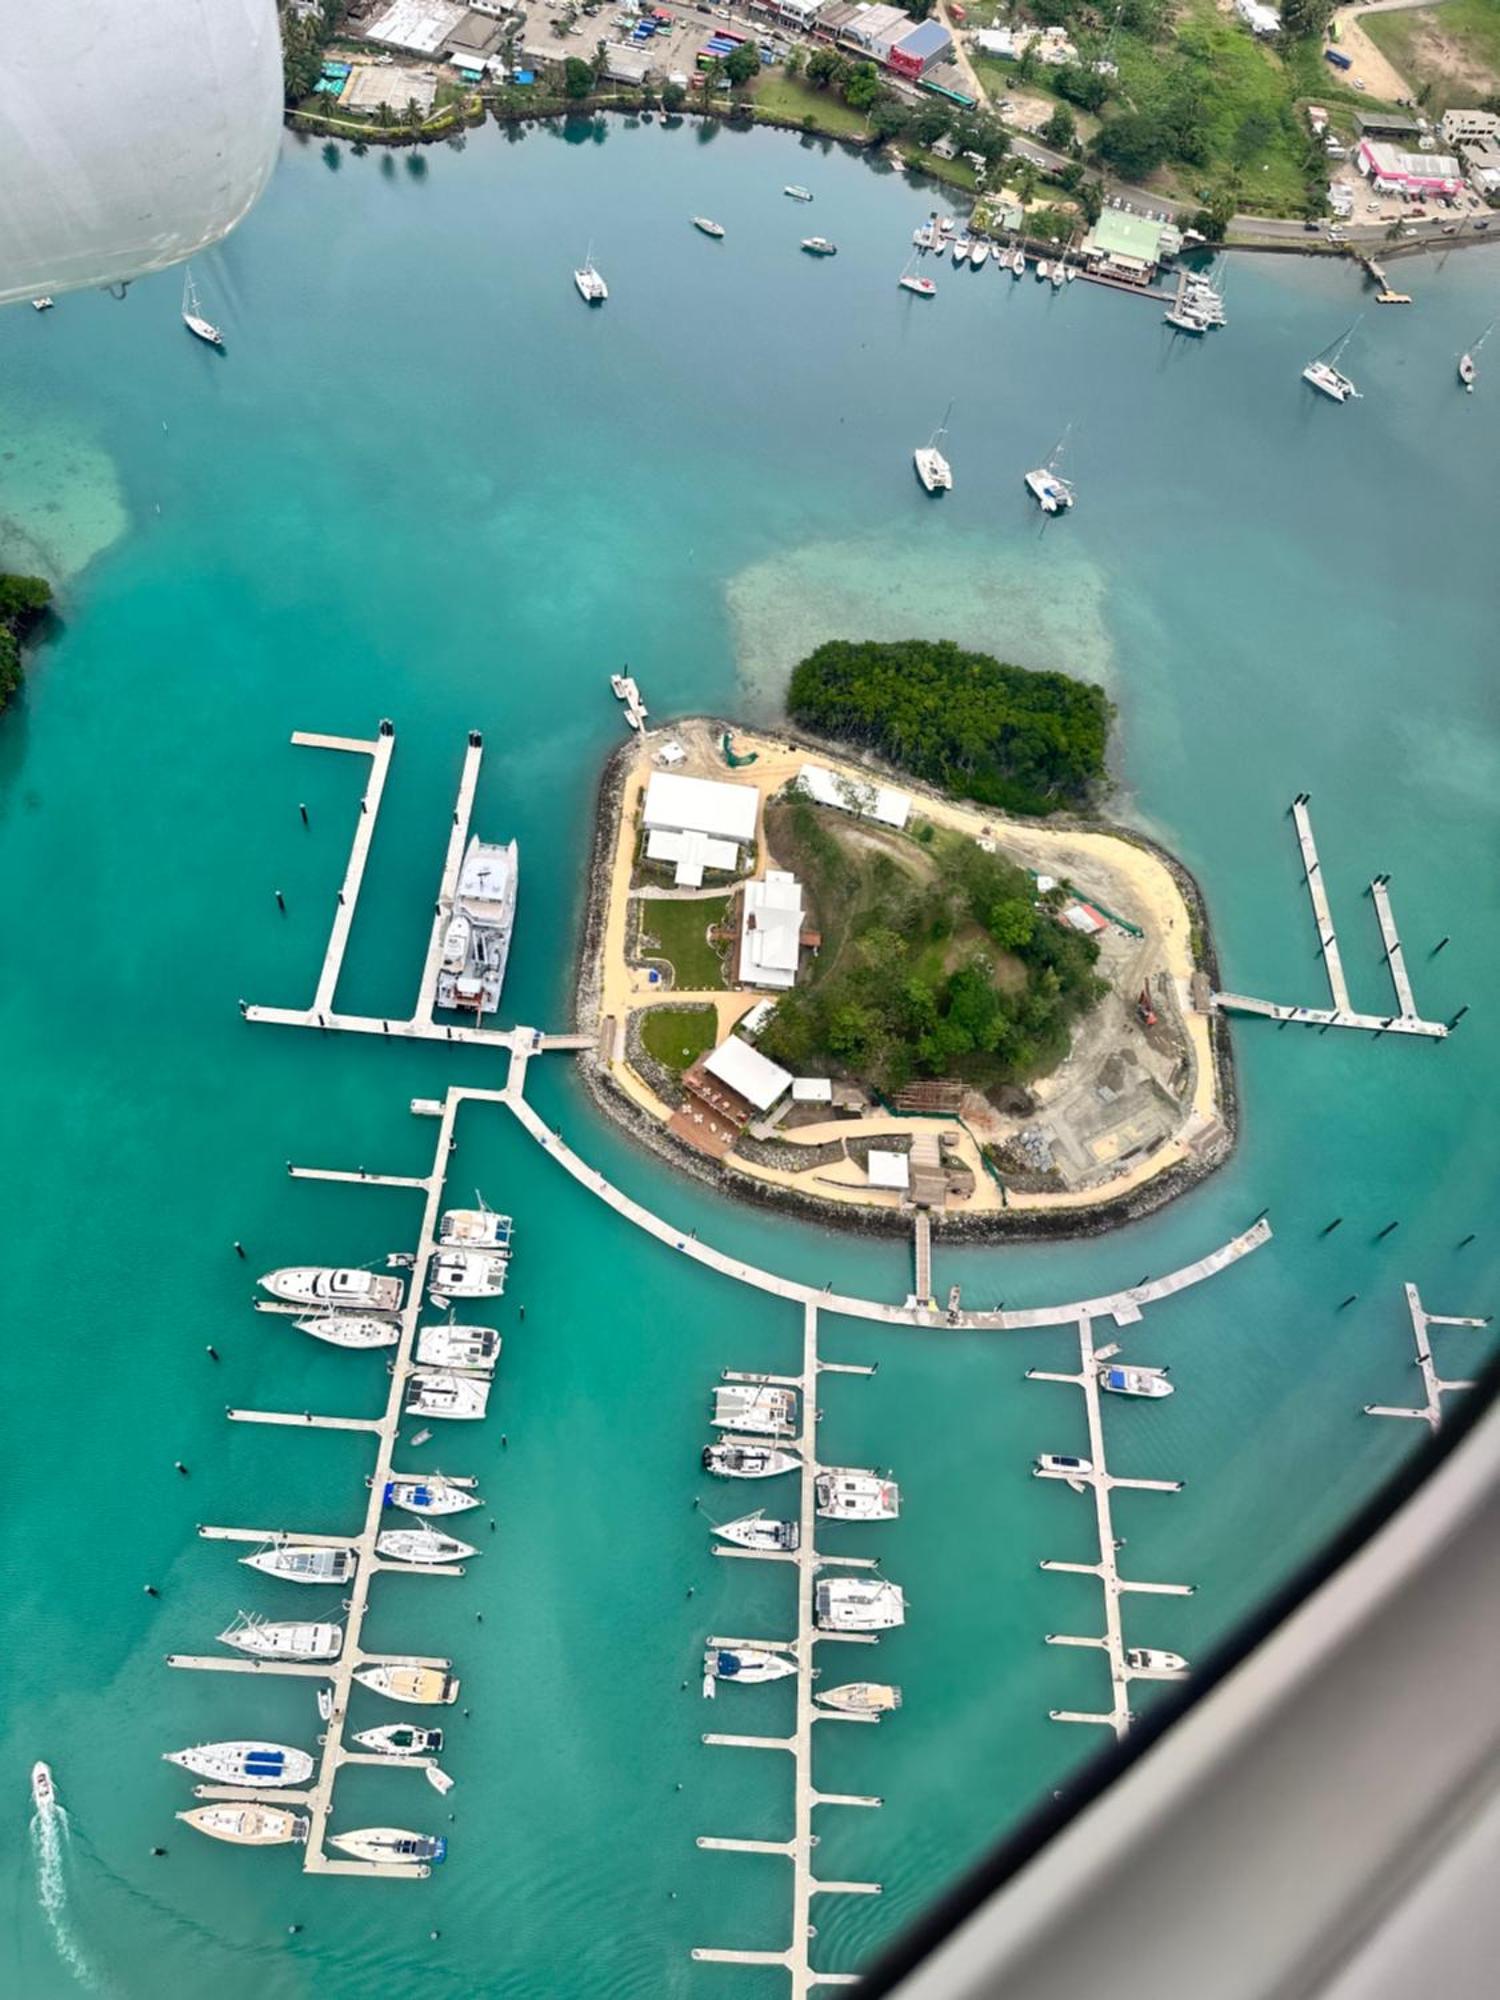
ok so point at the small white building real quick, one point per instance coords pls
(675, 804)
(748, 1073)
(690, 853)
(812, 1090)
(771, 931)
(889, 1170)
(423, 26)
(854, 795)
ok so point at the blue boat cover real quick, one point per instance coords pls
(264, 1763)
(728, 1665)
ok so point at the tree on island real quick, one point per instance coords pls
(23, 599)
(1026, 742)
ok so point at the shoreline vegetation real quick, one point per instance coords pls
(24, 602)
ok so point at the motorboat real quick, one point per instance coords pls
(765, 1409)
(456, 935)
(978, 252)
(43, 304)
(391, 1844)
(434, 1495)
(849, 1493)
(749, 1665)
(468, 1274)
(1051, 492)
(797, 193)
(1122, 1381)
(860, 1698)
(472, 974)
(304, 1562)
(247, 1824)
(709, 228)
(925, 237)
(192, 315)
(619, 687)
(934, 471)
(1467, 372)
(43, 1791)
(350, 1330)
(747, 1461)
(754, 1531)
(459, 1346)
(960, 249)
(401, 1739)
(438, 1779)
(1043, 270)
(421, 1545)
(1154, 1660)
(591, 287)
(1185, 319)
(923, 287)
(1059, 275)
(1018, 262)
(246, 1763)
(464, 1398)
(428, 1686)
(858, 1604)
(323, 1285)
(1062, 1465)
(481, 1228)
(286, 1640)
(819, 246)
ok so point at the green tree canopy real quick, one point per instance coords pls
(578, 78)
(742, 63)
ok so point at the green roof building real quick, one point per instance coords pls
(1127, 246)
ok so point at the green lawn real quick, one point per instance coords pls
(677, 1036)
(682, 928)
(1450, 55)
(789, 97)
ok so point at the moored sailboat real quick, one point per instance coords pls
(244, 1763)
(933, 469)
(350, 1330)
(391, 1845)
(304, 1562)
(421, 1545)
(398, 1680)
(431, 1495)
(283, 1640)
(247, 1824)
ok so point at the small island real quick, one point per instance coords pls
(910, 975)
(23, 600)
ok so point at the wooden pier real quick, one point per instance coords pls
(1404, 1021)
(1433, 1384)
(379, 751)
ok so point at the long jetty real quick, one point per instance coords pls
(1405, 1020)
(1434, 1386)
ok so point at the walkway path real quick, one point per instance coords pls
(1431, 1412)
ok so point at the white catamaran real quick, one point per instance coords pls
(468, 1274)
(847, 1493)
(459, 1347)
(464, 1398)
(591, 287)
(763, 1409)
(1051, 492)
(858, 1604)
(1322, 372)
(934, 471)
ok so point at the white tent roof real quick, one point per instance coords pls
(701, 805)
(747, 1072)
(889, 1170)
(890, 808)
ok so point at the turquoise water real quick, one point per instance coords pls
(425, 483)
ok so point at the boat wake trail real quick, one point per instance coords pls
(51, 1833)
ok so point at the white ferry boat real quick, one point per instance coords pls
(459, 1346)
(464, 1398)
(858, 1604)
(591, 287)
(323, 1285)
(709, 227)
(479, 1228)
(192, 316)
(421, 1545)
(427, 1686)
(349, 1330)
(304, 1562)
(749, 1665)
(1122, 1381)
(391, 1844)
(287, 1640)
(754, 1531)
(860, 1698)
(432, 1495)
(401, 1739)
(468, 1274)
(247, 1763)
(849, 1493)
(1154, 1660)
(763, 1409)
(476, 944)
(747, 1461)
(934, 471)
(819, 246)
(247, 1825)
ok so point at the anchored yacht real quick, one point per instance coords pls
(304, 1562)
(432, 1495)
(709, 228)
(858, 1604)
(591, 287)
(978, 252)
(747, 1664)
(1062, 1465)
(861, 1698)
(819, 246)
(459, 1346)
(910, 282)
(847, 1493)
(401, 1739)
(479, 1228)
(461, 1397)
(765, 1409)
(476, 945)
(934, 471)
(428, 1686)
(1154, 1660)
(1324, 376)
(797, 193)
(754, 1531)
(248, 1825)
(244, 1763)
(421, 1545)
(192, 317)
(322, 1285)
(1121, 1381)
(284, 1641)
(391, 1844)
(349, 1330)
(747, 1461)
(1051, 493)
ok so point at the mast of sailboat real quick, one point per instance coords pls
(942, 429)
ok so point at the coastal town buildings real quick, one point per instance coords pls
(771, 931)
(1393, 170)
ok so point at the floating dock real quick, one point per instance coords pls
(1433, 1384)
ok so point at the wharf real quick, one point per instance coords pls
(1433, 1384)
(379, 752)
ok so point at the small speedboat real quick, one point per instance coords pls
(709, 228)
(435, 1495)
(456, 938)
(467, 1274)
(748, 1665)
(463, 1398)
(391, 1844)
(858, 1604)
(923, 287)
(474, 1229)
(797, 193)
(42, 305)
(747, 1461)
(248, 1825)
(43, 1791)
(428, 1686)
(421, 1545)
(1120, 1381)
(1154, 1660)
(286, 1640)
(349, 1330)
(304, 1562)
(978, 252)
(323, 1285)
(459, 1346)
(961, 250)
(861, 1698)
(819, 246)
(754, 1531)
(1062, 1465)
(401, 1739)
(1468, 373)
(244, 1763)
(848, 1493)
(765, 1409)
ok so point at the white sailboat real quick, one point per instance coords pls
(848, 1493)
(323, 1285)
(421, 1545)
(398, 1681)
(591, 287)
(287, 1640)
(749, 1665)
(431, 1495)
(860, 1698)
(304, 1562)
(754, 1531)
(349, 1330)
(459, 1346)
(392, 1845)
(244, 1763)
(1323, 373)
(464, 1398)
(1468, 367)
(748, 1461)
(763, 1409)
(934, 471)
(401, 1739)
(192, 316)
(1051, 492)
(247, 1825)
(709, 227)
(910, 282)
